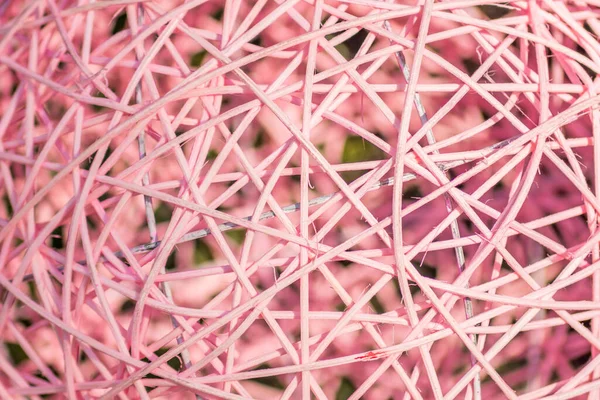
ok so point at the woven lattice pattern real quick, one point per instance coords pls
(354, 199)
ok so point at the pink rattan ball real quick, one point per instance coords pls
(298, 199)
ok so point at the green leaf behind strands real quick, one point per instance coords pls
(197, 58)
(356, 149)
(237, 235)
(202, 253)
(16, 353)
(345, 390)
